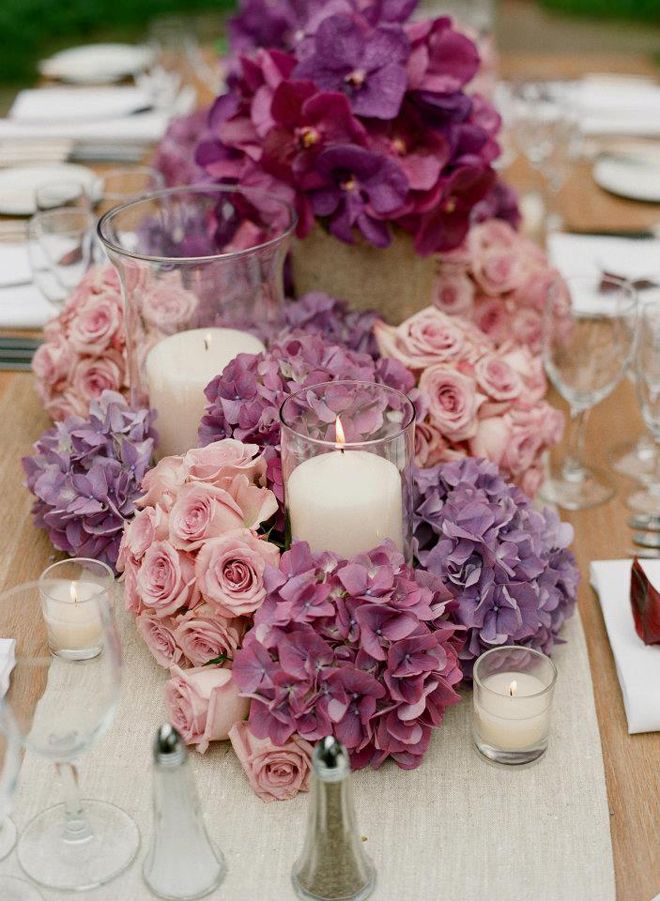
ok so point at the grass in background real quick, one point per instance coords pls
(33, 29)
(644, 10)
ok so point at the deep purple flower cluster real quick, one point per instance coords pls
(357, 116)
(320, 314)
(175, 154)
(245, 399)
(86, 475)
(507, 565)
(360, 649)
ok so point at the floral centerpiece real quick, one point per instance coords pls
(360, 118)
(475, 400)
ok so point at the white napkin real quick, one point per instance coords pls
(637, 664)
(610, 106)
(24, 307)
(140, 128)
(14, 264)
(41, 105)
(7, 662)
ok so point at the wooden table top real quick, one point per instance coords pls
(632, 763)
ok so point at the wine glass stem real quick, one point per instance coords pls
(76, 827)
(573, 469)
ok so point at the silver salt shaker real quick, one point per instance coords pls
(181, 862)
(333, 865)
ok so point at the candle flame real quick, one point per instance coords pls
(74, 593)
(340, 437)
(513, 689)
(207, 340)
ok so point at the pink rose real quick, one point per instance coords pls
(275, 773)
(493, 318)
(52, 361)
(431, 448)
(204, 635)
(494, 234)
(491, 439)
(203, 704)
(162, 483)
(534, 290)
(257, 504)
(91, 377)
(167, 305)
(66, 404)
(166, 579)
(146, 527)
(230, 571)
(426, 338)
(527, 329)
(96, 324)
(498, 271)
(132, 600)
(159, 637)
(497, 378)
(219, 462)
(452, 401)
(454, 292)
(201, 512)
(522, 449)
(530, 369)
(532, 481)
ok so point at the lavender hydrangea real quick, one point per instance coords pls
(86, 474)
(320, 314)
(507, 564)
(360, 649)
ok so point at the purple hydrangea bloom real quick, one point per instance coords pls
(507, 565)
(175, 155)
(368, 65)
(361, 649)
(86, 475)
(262, 23)
(318, 313)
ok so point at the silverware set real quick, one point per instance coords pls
(645, 535)
(16, 352)
(36, 151)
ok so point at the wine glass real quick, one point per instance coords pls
(647, 367)
(63, 694)
(59, 248)
(11, 749)
(589, 329)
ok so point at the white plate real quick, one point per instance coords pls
(629, 176)
(97, 63)
(17, 185)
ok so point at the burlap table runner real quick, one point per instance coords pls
(456, 828)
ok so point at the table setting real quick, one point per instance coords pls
(331, 473)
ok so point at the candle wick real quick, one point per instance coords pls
(512, 688)
(206, 343)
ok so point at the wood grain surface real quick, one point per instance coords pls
(632, 763)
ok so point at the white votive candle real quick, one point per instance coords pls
(512, 711)
(178, 369)
(73, 625)
(345, 501)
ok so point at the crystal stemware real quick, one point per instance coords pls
(59, 248)
(63, 694)
(647, 367)
(589, 328)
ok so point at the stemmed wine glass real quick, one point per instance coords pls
(647, 368)
(589, 330)
(59, 249)
(63, 694)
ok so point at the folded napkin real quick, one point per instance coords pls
(24, 306)
(14, 265)
(637, 664)
(610, 106)
(140, 128)
(7, 662)
(41, 105)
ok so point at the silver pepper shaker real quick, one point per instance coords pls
(333, 865)
(181, 862)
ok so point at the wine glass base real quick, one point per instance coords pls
(14, 889)
(590, 489)
(634, 459)
(81, 865)
(644, 502)
(7, 837)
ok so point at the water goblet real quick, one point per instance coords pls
(59, 248)
(63, 694)
(647, 368)
(589, 330)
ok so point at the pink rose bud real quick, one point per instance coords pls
(203, 704)
(275, 773)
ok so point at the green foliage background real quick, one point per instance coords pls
(32, 29)
(644, 10)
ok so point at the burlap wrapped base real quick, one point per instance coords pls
(394, 280)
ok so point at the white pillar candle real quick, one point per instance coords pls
(73, 625)
(512, 711)
(346, 501)
(178, 369)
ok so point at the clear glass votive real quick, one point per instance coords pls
(201, 271)
(71, 593)
(347, 450)
(512, 697)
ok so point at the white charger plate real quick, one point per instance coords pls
(633, 177)
(18, 184)
(97, 63)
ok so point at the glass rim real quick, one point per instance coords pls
(198, 188)
(321, 442)
(67, 212)
(520, 648)
(46, 579)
